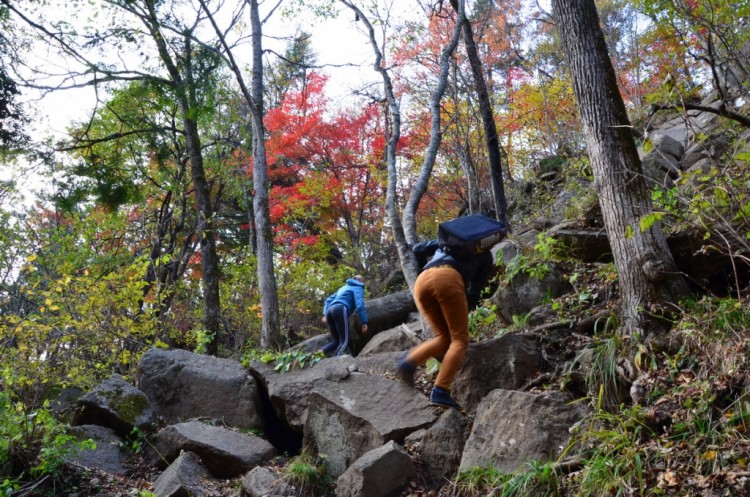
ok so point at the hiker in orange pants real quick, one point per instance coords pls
(445, 291)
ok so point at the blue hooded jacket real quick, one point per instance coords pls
(351, 296)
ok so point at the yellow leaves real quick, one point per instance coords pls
(256, 309)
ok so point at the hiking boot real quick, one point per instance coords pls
(405, 371)
(441, 398)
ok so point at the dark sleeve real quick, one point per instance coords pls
(480, 278)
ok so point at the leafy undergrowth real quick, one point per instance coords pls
(671, 418)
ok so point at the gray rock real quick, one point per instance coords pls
(289, 392)
(116, 404)
(226, 453)
(668, 144)
(441, 446)
(660, 169)
(505, 251)
(313, 344)
(182, 478)
(182, 385)
(506, 362)
(339, 370)
(349, 418)
(384, 363)
(525, 292)
(64, 405)
(381, 472)
(261, 482)
(396, 339)
(512, 428)
(588, 245)
(107, 456)
(693, 154)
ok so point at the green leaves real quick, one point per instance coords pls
(293, 359)
(646, 222)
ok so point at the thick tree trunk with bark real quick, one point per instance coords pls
(209, 258)
(650, 284)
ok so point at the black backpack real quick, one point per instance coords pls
(468, 236)
(462, 238)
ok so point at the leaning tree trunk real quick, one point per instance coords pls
(492, 141)
(419, 188)
(650, 284)
(393, 113)
(405, 231)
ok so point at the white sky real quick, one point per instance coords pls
(340, 44)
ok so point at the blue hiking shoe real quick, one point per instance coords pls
(440, 397)
(405, 371)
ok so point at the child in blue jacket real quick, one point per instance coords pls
(337, 309)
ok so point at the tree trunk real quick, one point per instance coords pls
(420, 185)
(209, 259)
(650, 284)
(185, 93)
(393, 133)
(492, 142)
(270, 335)
(405, 233)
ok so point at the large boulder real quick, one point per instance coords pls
(513, 428)
(348, 418)
(507, 362)
(588, 245)
(289, 392)
(181, 385)
(382, 472)
(441, 445)
(107, 455)
(524, 292)
(116, 404)
(384, 363)
(402, 337)
(226, 453)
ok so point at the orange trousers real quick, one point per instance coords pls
(441, 300)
